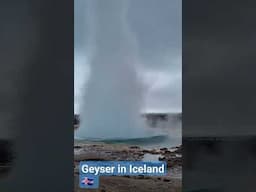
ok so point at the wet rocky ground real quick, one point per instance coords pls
(116, 152)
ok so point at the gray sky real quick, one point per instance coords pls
(157, 27)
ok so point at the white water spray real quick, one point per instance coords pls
(113, 97)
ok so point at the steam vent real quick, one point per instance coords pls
(76, 121)
(152, 119)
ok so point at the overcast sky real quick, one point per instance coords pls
(157, 27)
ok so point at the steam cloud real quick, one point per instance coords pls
(113, 97)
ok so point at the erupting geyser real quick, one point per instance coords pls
(113, 96)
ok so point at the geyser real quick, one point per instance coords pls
(113, 96)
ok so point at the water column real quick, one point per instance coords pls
(113, 97)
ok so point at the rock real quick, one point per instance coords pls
(163, 149)
(177, 149)
(178, 155)
(134, 147)
(154, 151)
(126, 151)
(140, 177)
(141, 154)
(166, 180)
(174, 162)
(90, 156)
(138, 153)
(162, 158)
(167, 152)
